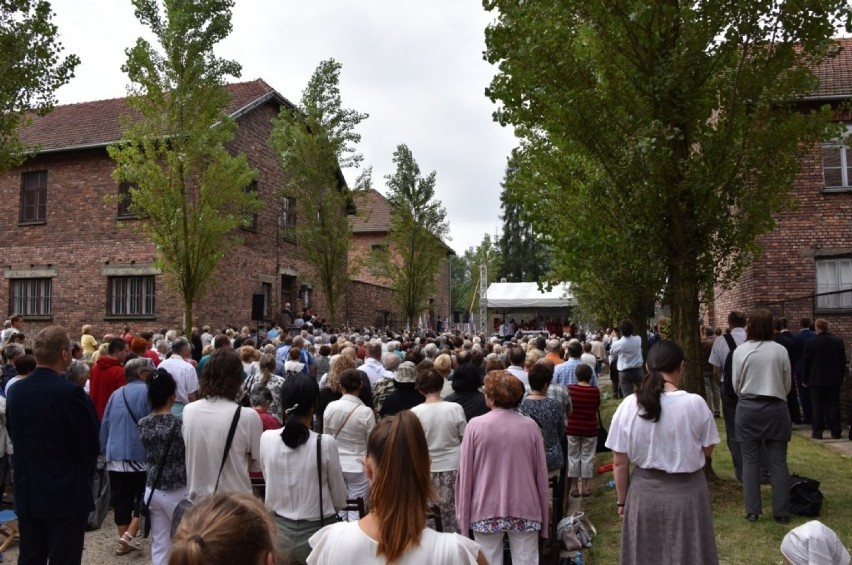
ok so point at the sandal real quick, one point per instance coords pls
(126, 544)
(587, 492)
(575, 493)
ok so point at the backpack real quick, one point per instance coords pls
(727, 383)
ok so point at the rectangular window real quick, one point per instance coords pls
(833, 275)
(32, 297)
(837, 163)
(34, 197)
(288, 217)
(131, 296)
(266, 289)
(124, 201)
(250, 222)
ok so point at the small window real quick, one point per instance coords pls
(834, 275)
(288, 217)
(34, 197)
(837, 164)
(124, 200)
(131, 296)
(250, 223)
(32, 297)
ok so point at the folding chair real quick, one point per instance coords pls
(8, 528)
(355, 505)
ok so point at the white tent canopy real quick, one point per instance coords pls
(527, 295)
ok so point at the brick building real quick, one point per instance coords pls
(369, 234)
(809, 252)
(72, 254)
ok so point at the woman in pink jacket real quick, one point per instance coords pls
(502, 478)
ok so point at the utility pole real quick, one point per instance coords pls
(483, 300)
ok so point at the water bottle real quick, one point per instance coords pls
(606, 396)
(610, 483)
(578, 558)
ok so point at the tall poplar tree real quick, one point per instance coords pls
(188, 190)
(680, 119)
(523, 250)
(413, 260)
(314, 143)
(31, 69)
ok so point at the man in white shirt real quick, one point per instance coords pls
(373, 364)
(184, 374)
(517, 357)
(718, 355)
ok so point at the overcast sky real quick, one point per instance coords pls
(414, 65)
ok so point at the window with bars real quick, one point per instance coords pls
(131, 296)
(288, 217)
(250, 223)
(33, 197)
(31, 297)
(837, 163)
(124, 201)
(834, 275)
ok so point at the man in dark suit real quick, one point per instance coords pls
(785, 339)
(823, 368)
(54, 433)
(804, 335)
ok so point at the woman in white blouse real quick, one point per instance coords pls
(349, 421)
(288, 458)
(666, 433)
(444, 423)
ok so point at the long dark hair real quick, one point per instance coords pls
(665, 357)
(402, 487)
(299, 396)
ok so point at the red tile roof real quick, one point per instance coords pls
(95, 124)
(835, 75)
(373, 212)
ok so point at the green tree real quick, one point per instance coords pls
(465, 271)
(523, 251)
(314, 142)
(31, 69)
(190, 192)
(417, 228)
(680, 117)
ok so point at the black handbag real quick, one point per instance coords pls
(602, 435)
(805, 496)
(144, 508)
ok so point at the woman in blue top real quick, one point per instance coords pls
(126, 459)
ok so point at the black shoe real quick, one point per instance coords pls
(751, 517)
(816, 436)
(782, 519)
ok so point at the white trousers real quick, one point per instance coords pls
(523, 546)
(581, 456)
(356, 485)
(161, 509)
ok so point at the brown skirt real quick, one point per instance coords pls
(668, 518)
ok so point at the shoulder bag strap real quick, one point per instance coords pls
(319, 474)
(161, 461)
(129, 411)
(729, 339)
(228, 443)
(340, 429)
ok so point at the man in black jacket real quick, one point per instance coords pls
(823, 368)
(54, 433)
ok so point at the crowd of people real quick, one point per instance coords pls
(286, 427)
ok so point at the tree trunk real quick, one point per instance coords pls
(686, 332)
(187, 316)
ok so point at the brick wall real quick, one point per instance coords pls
(783, 278)
(82, 236)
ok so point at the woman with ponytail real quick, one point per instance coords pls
(288, 458)
(666, 433)
(397, 465)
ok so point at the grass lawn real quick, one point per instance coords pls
(738, 541)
